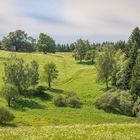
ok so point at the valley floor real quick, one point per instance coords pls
(40, 119)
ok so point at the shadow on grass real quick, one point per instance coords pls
(58, 91)
(85, 63)
(8, 125)
(23, 104)
(42, 95)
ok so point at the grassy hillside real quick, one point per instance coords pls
(80, 78)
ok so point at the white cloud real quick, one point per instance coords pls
(85, 18)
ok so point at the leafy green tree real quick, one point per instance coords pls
(14, 72)
(31, 73)
(81, 47)
(50, 73)
(18, 41)
(90, 55)
(10, 93)
(19, 74)
(104, 65)
(45, 44)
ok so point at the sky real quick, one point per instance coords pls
(68, 20)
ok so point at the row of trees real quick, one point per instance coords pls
(18, 77)
(19, 41)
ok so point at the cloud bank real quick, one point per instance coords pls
(68, 20)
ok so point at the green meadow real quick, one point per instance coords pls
(41, 119)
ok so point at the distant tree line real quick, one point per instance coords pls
(19, 41)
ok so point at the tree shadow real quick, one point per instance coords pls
(86, 63)
(58, 91)
(23, 103)
(8, 125)
(41, 94)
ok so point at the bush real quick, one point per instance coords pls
(69, 99)
(5, 115)
(60, 101)
(116, 102)
(73, 102)
(136, 108)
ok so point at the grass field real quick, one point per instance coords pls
(43, 120)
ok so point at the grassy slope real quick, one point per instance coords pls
(72, 77)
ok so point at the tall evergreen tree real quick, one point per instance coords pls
(135, 81)
(131, 54)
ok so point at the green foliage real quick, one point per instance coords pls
(117, 102)
(60, 101)
(32, 73)
(81, 46)
(136, 108)
(14, 72)
(10, 93)
(18, 41)
(104, 64)
(73, 102)
(90, 55)
(70, 100)
(46, 44)
(19, 74)
(135, 81)
(50, 73)
(118, 76)
(131, 54)
(120, 45)
(5, 116)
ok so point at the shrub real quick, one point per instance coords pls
(60, 101)
(136, 108)
(11, 93)
(5, 115)
(116, 102)
(69, 99)
(73, 102)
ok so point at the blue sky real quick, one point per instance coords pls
(68, 20)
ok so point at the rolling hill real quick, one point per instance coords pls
(40, 117)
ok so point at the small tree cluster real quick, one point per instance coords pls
(84, 50)
(45, 44)
(18, 77)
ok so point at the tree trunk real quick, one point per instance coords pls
(107, 83)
